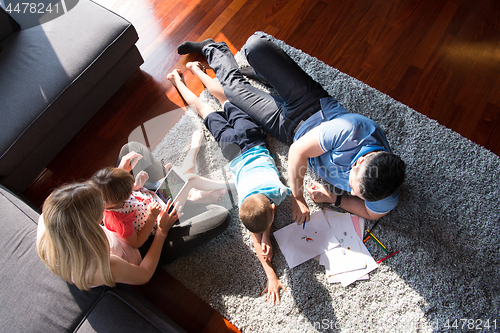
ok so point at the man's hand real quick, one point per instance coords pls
(300, 211)
(319, 194)
(129, 161)
(273, 291)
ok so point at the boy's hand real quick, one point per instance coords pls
(267, 251)
(273, 291)
(154, 208)
(129, 161)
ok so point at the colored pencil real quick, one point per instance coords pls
(390, 255)
(378, 243)
(375, 238)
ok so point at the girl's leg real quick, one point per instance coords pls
(202, 184)
(213, 87)
(189, 163)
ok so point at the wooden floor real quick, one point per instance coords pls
(440, 57)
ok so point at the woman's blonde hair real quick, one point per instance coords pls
(73, 245)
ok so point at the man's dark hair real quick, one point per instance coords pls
(380, 175)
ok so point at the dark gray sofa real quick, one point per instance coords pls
(35, 300)
(53, 78)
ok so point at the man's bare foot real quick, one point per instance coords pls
(174, 76)
(196, 65)
(206, 196)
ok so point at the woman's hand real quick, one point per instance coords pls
(273, 291)
(165, 219)
(319, 193)
(129, 161)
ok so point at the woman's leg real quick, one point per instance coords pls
(199, 224)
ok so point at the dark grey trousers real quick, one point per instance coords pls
(298, 94)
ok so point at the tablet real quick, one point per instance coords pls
(171, 185)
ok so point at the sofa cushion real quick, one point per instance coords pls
(33, 299)
(46, 70)
(7, 24)
(118, 311)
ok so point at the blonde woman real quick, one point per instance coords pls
(72, 243)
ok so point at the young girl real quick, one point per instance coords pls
(131, 210)
(73, 245)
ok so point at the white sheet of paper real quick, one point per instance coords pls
(299, 245)
(335, 278)
(342, 227)
(347, 257)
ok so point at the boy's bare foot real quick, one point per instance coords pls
(174, 76)
(206, 196)
(196, 65)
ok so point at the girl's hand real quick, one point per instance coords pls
(154, 208)
(129, 161)
(166, 220)
(140, 179)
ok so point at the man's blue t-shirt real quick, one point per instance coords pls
(344, 137)
(255, 172)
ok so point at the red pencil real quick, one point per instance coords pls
(390, 255)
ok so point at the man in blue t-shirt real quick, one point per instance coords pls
(348, 150)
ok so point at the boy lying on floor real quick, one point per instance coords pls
(257, 180)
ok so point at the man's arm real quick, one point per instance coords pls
(300, 151)
(354, 205)
(357, 207)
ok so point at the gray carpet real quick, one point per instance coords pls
(446, 228)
